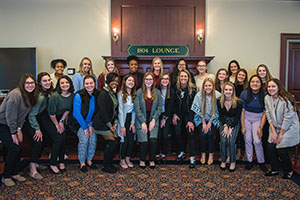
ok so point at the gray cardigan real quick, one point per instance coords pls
(282, 118)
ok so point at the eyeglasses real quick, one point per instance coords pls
(149, 79)
(165, 79)
(30, 83)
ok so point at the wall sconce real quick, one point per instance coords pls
(115, 34)
(200, 35)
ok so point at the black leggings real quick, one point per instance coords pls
(283, 154)
(127, 146)
(163, 137)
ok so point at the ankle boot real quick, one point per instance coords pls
(108, 157)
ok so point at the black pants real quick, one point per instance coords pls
(58, 141)
(127, 146)
(181, 124)
(283, 154)
(265, 142)
(12, 159)
(207, 140)
(163, 137)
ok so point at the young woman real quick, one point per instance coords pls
(110, 66)
(133, 64)
(126, 126)
(183, 115)
(59, 106)
(147, 106)
(233, 68)
(281, 111)
(80, 122)
(34, 125)
(157, 68)
(202, 74)
(106, 120)
(13, 112)
(167, 97)
(221, 78)
(253, 119)
(206, 115)
(180, 65)
(85, 68)
(59, 66)
(263, 72)
(230, 108)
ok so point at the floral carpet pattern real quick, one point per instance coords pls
(164, 182)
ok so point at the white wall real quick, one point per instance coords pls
(248, 31)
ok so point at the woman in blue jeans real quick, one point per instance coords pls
(230, 109)
(81, 122)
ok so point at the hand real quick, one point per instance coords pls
(123, 131)
(62, 127)
(91, 130)
(87, 132)
(243, 130)
(224, 133)
(58, 128)
(15, 139)
(144, 128)
(229, 132)
(163, 123)
(174, 120)
(191, 126)
(279, 137)
(132, 128)
(38, 136)
(151, 125)
(20, 135)
(274, 137)
(113, 128)
(259, 133)
(208, 126)
(204, 129)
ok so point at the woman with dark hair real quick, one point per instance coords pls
(13, 112)
(167, 98)
(106, 120)
(35, 126)
(85, 68)
(110, 66)
(233, 68)
(59, 106)
(81, 120)
(221, 78)
(183, 116)
(281, 111)
(180, 65)
(253, 119)
(133, 64)
(147, 106)
(59, 66)
(126, 126)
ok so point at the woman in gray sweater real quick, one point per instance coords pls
(13, 112)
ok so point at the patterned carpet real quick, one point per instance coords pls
(164, 182)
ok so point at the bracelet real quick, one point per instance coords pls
(260, 127)
(62, 121)
(19, 128)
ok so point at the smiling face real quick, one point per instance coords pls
(228, 91)
(133, 66)
(273, 89)
(165, 80)
(86, 66)
(262, 72)
(59, 68)
(201, 67)
(64, 85)
(114, 84)
(181, 65)
(241, 77)
(184, 78)
(46, 82)
(222, 75)
(89, 85)
(157, 65)
(255, 84)
(129, 82)
(148, 81)
(110, 66)
(208, 87)
(29, 85)
(233, 68)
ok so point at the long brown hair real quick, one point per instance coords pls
(217, 81)
(153, 94)
(203, 97)
(245, 84)
(105, 70)
(124, 91)
(191, 86)
(40, 88)
(91, 72)
(29, 98)
(234, 99)
(285, 95)
(268, 75)
(168, 95)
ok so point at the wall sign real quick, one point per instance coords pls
(158, 50)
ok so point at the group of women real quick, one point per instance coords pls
(144, 108)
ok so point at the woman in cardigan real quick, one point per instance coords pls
(81, 120)
(183, 115)
(147, 106)
(13, 112)
(281, 111)
(35, 123)
(106, 120)
(230, 108)
(253, 119)
(110, 66)
(206, 115)
(59, 106)
(126, 126)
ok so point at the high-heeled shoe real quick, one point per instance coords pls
(223, 168)
(53, 172)
(142, 166)
(152, 165)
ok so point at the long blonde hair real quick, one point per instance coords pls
(161, 65)
(234, 99)
(105, 70)
(168, 95)
(153, 94)
(91, 72)
(191, 86)
(203, 97)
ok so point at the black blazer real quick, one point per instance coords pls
(169, 104)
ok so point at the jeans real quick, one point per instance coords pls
(127, 146)
(207, 139)
(86, 146)
(229, 142)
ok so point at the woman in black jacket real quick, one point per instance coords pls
(106, 120)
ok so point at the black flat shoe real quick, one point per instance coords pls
(83, 169)
(142, 167)
(164, 160)
(232, 170)
(223, 168)
(249, 166)
(272, 173)
(263, 167)
(53, 172)
(152, 167)
(92, 166)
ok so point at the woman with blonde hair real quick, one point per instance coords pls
(110, 66)
(85, 68)
(263, 72)
(157, 68)
(202, 74)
